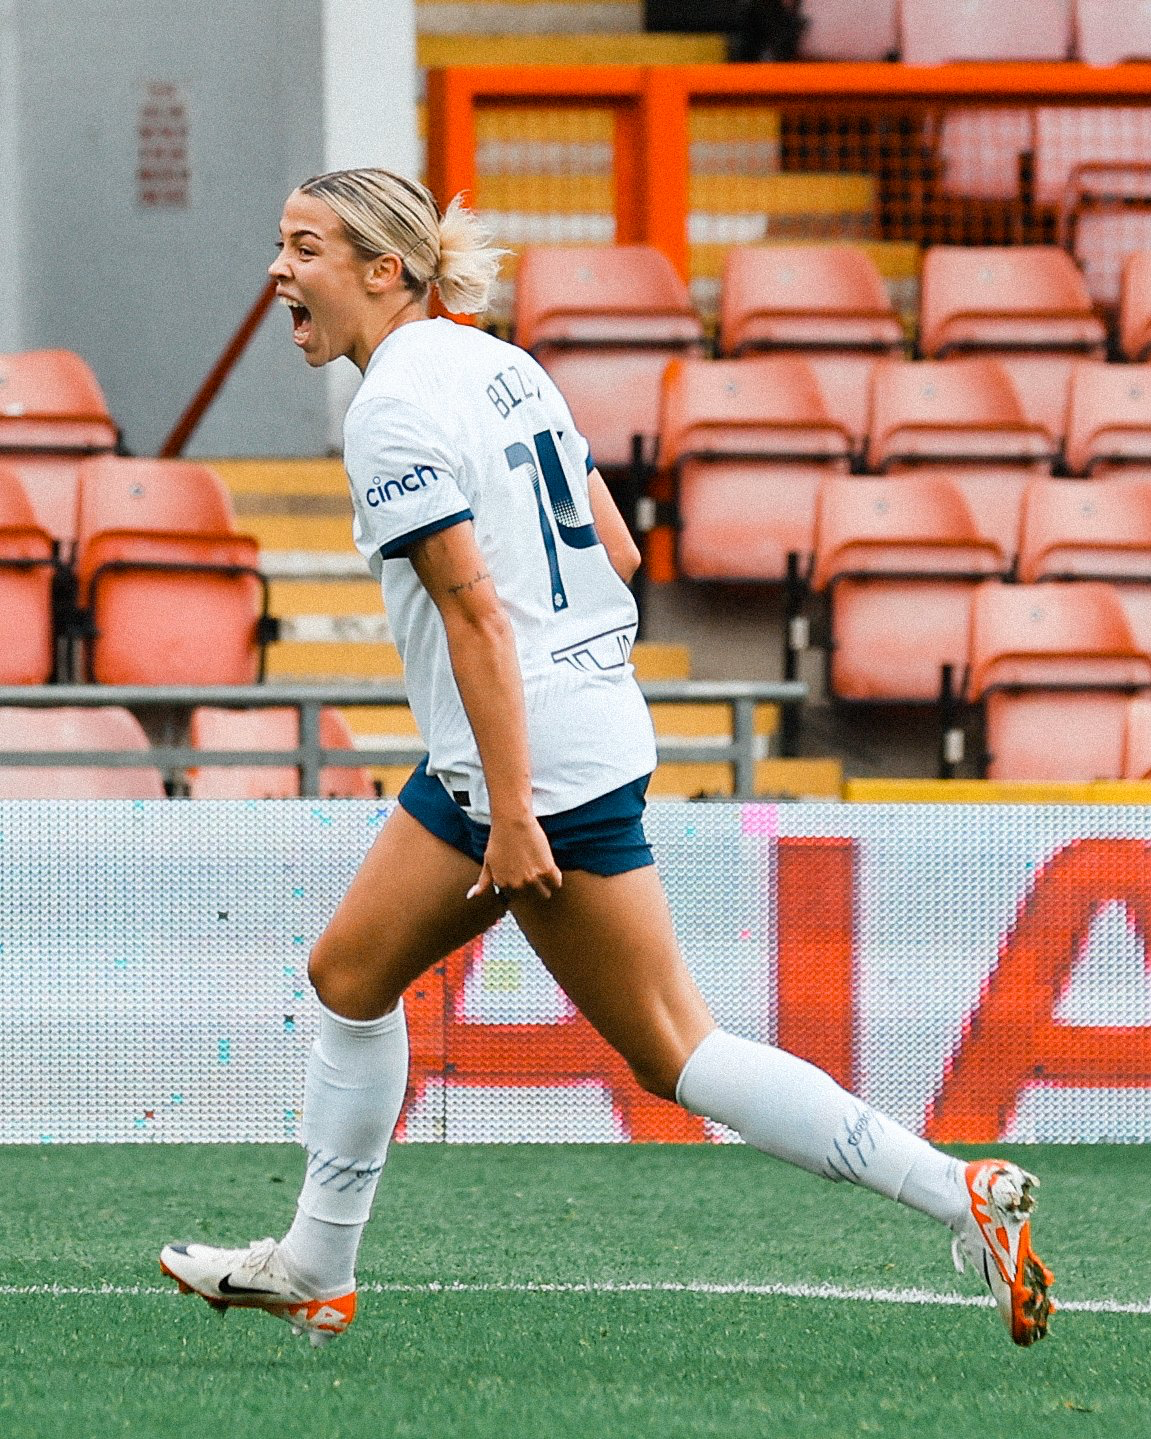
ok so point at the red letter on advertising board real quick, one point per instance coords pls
(1012, 1040)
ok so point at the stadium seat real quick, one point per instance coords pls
(805, 297)
(1135, 306)
(52, 484)
(979, 150)
(1136, 752)
(934, 32)
(948, 414)
(27, 569)
(1075, 531)
(1052, 667)
(1109, 420)
(68, 728)
(898, 560)
(1110, 31)
(845, 30)
(604, 321)
(268, 729)
(748, 443)
(169, 593)
(1004, 300)
(50, 401)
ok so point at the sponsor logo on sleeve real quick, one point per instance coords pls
(381, 491)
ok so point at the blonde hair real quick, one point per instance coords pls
(385, 214)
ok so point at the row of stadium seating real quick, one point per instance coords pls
(605, 321)
(930, 32)
(111, 727)
(125, 571)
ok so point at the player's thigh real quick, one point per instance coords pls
(609, 942)
(406, 908)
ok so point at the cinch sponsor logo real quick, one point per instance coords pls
(381, 491)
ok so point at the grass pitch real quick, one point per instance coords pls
(516, 1292)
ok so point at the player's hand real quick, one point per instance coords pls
(518, 860)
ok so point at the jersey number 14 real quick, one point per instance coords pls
(542, 457)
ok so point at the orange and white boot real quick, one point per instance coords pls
(255, 1278)
(994, 1236)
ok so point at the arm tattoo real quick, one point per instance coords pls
(466, 585)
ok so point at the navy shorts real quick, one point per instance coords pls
(605, 835)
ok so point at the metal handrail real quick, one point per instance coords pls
(309, 757)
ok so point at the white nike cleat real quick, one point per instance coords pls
(994, 1237)
(255, 1278)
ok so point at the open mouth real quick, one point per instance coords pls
(301, 320)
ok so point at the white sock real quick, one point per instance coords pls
(794, 1111)
(353, 1092)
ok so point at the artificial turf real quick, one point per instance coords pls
(510, 1361)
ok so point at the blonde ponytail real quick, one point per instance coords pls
(384, 213)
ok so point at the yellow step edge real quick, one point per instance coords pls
(894, 259)
(314, 659)
(434, 52)
(299, 532)
(976, 791)
(282, 477)
(794, 193)
(325, 597)
(675, 718)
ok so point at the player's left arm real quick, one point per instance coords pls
(611, 528)
(482, 649)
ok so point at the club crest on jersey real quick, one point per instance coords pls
(381, 491)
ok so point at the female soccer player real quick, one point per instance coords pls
(504, 565)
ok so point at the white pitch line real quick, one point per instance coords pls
(775, 1291)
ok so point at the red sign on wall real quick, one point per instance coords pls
(162, 171)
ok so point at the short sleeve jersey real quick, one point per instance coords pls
(453, 425)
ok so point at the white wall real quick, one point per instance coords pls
(150, 295)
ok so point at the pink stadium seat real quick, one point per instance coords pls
(980, 150)
(959, 412)
(1028, 298)
(1042, 384)
(50, 401)
(801, 297)
(845, 379)
(748, 443)
(27, 565)
(66, 728)
(846, 30)
(1109, 420)
(1136, 752)
(899, 560)
(172, 594)
(268, 729)
(52, 484)
(604, 321)
(1110, 31)
(1052, 667)
(1135, 306)
(1073, 531)
(933, 32)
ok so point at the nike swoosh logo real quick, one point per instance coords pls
(227, 1287)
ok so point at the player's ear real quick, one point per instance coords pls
(384, 273)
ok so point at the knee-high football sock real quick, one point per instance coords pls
(353, 1092)
(794, 1111)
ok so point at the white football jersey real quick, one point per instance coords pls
(452, 424)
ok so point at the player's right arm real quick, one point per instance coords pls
(611, 528)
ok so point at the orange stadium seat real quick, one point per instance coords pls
(843, 30)
(169, 592)
(68, 728)
(951, 413)
(51, 401)
(268, 729)
(748, 442)
(604, 321)
(27, 569)
(1005, 300)
(1075, 531)
(826, 302)
(1110, 31)
(1109, 420)
(1135, 306)
(933, 32)
(898, 560)
(1136, 751)
(52, 484)
(1052, 667)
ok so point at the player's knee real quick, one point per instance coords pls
(331, 975)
